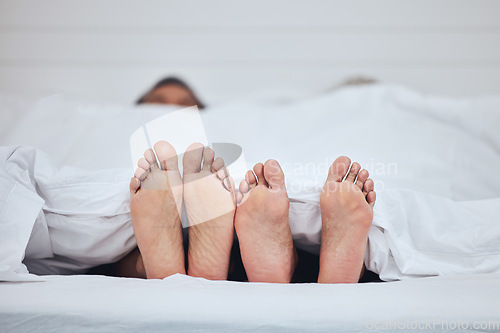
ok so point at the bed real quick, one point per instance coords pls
(407, 141)
(184, 304)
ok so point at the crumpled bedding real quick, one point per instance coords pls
(432, 159)
(180, 303)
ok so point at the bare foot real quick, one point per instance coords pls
(210, 206)
(155, 205)
(347, 214)
(262, 227)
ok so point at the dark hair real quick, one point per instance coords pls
(171, 81)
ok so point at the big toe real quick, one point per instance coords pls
(274, 174)
(167, 156)
(339, 168)
(192, 158)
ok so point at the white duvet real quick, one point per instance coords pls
(179, 303)
(433, 161)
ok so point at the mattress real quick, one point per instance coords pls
(84, 303)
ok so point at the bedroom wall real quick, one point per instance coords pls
(113, 50)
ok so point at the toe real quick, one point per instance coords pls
(244, 187)
(140, 174)
(222, 173)
(251, 180)
(362, 177)
(192, 158)
(239, 197)
(142, 163)
(228, 184)
(218, 164)
(208, 159)
(259, 172)
(339, 168)
(151, 158)
(353, 172)
(134, 185)
(369, 186)
(242, 192)
(274, 175)
(371, 197)
(167, 156)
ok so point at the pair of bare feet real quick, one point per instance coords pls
(258, 212)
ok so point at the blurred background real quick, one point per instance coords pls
(115, 50)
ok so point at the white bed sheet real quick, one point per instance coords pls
(426, 206)
(446, 147)
(185, 304)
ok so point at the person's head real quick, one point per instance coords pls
(171, 90)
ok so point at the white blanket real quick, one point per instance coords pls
(432, 160)
(182, 303)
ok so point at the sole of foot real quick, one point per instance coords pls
(346, 202)
(262, 226)
(210, 206)
(156, 205)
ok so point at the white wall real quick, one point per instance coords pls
(114, 50)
